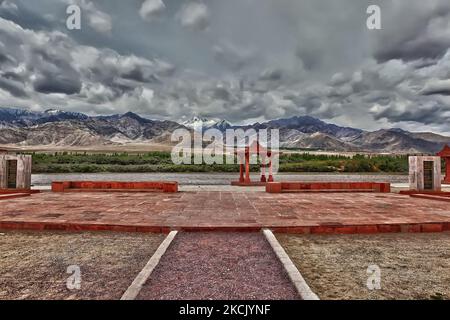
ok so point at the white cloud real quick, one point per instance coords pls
(232, 56)
(151, 9)
(97, 19)
(8, 5)
(195, 16)
(100, 22)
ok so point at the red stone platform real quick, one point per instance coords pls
(248, 184)
(114, 186)
(278, 187)
(233, 211)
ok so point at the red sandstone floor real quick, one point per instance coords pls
(150, 211)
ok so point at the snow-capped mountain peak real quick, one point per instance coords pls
(53, 111)
(202, 123)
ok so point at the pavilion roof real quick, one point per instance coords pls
(255, 147)
(445, 152)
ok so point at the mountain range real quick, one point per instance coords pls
(61, 128)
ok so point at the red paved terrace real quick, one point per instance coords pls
(160, 212)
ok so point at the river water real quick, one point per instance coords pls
(211, 178)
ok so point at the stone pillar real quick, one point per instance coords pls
(437, 174)
(23, 172)
(263, 172)
(23, 175)
(416, 173)
(270, 172)
(3, 175)
(270, 167)
(247, 165)
(241, 172)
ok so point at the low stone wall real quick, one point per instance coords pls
(278, 187)
(94, 186)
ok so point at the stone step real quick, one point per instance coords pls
(112, 190)
(431, 197)
(326, 190)
(13, 195)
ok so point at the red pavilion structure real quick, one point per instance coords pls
(266, 156)
(445, 154)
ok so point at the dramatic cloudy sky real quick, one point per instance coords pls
(241, 60)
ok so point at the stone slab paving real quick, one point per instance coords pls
(216, 265)
(161, 212)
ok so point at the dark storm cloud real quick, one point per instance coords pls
(437, 87)
(310, 57)
(12, 76)
(55, 83)
(54, 73)
(378, 97)
(137, 75)
(427, 114)
(444, 92)
(414, 49)
(13, 87)
(272, 75)
(221, 93)
(423, 36)
(6, 58)
(16, 12)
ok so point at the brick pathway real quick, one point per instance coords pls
(160, 212)
(215, 265)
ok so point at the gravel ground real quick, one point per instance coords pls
(219, 266)
(413, 266)
(33, 265)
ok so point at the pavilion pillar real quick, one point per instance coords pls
(263, 169)
(241, 172)
(247, 166)
(269, 154)
(270, 172)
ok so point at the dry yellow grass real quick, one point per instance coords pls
(33, 265)
(413, 266)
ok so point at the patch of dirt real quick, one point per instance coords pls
(34, 265)
(412, 265)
